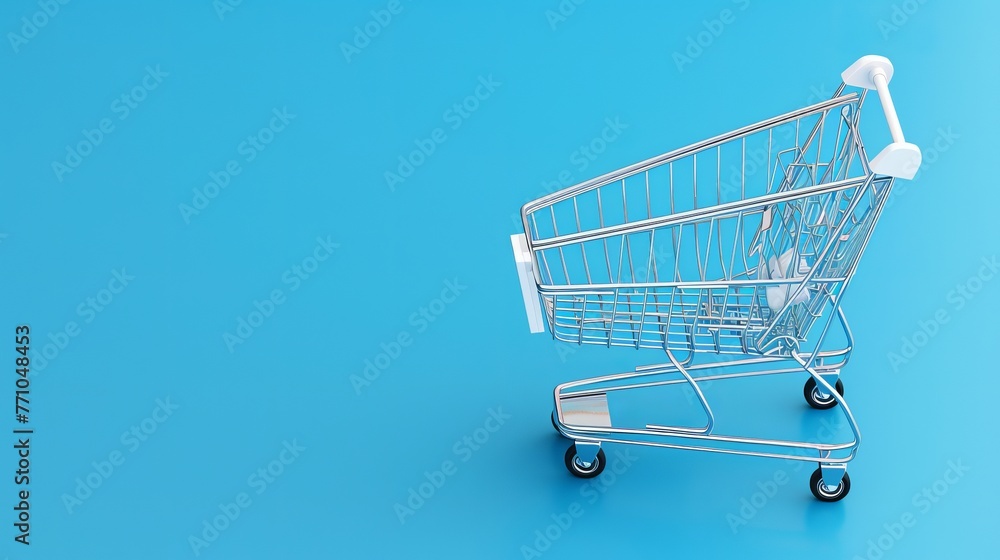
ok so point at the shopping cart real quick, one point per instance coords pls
(737, 248)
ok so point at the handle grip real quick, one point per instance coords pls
(900, 158)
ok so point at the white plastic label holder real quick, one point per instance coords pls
(522, 257)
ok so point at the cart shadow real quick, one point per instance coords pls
(825, 517)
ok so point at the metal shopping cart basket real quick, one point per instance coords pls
(731, 255)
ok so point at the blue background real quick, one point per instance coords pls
(323, 176)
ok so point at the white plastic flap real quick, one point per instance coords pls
(522, 257)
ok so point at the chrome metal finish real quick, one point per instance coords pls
(831, 378)
(732, 253)
(586, 453)
(832, 475)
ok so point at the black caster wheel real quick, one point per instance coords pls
(554, 425)
(575, 467)
(823, 494)
(811, 393)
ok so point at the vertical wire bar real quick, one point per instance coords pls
(675, 239)
(656, 274)
(842, 156)
(670, 167)
(649, 203)
(607, 255)
(708, 248)
(614, 317)
(819, 145)
(642, 317)
(854, 133)
(797, 131)
(600, 219)
(677, 257)
(736, 239)
(694, 176)
(697, 245)
(718, 174)
(545, 261)
(801, 236)
(645, 290)
(743, 196)
(670, 318)
(695, 317)
(847, 157)
(743, 170)
(770, 136)
(627, 243)
(652, 251)
(828, 209)
(652, 234)
(788, 207)
(631, 268)
(621, 258)
(832, 169)
(624, 201)
(562, 256)
(718, 188)
(583, 244)
(651, 262)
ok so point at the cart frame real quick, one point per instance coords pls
(764, 312)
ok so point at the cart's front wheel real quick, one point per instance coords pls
(812, 394)
(577, 467)
(825, 494)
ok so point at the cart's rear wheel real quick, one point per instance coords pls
(811, 392)
(576, 467)
(824, 494)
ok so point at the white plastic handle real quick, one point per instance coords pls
(522, 257)
(900, 159)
